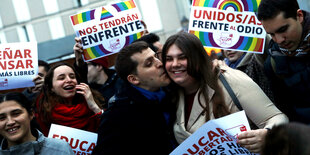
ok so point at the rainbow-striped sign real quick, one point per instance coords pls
(99, 50)
(106, 30)
(105, 14)
(242, 5)
(228, 24)
(122, 6)
(83, 17)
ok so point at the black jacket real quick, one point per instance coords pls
(108, 89)
(290, 77)
(135, 125)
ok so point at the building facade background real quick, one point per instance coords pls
(47, 21)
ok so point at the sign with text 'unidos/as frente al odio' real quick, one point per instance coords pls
(228, 24)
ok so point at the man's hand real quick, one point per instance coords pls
(78, 50)
(38, 84)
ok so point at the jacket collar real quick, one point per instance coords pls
(197, 109)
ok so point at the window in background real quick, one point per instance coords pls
(81, 2)
(50, 6)
(1, 25)
(22, 34)
(151, 15)
(21, 10)
(56, 28)
(2, 36)
(30, 33)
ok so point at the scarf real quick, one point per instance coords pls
(154, 96)
(234, 64)
(76, 116)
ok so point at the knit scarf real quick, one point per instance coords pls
(76, 116)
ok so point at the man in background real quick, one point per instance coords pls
(288, 62)
(31, 92)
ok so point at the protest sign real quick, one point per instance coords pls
(106, 30)
(216, 137)
(228, 24)
(81, 142)
(18, 65)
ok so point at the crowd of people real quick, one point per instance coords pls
(158, 95)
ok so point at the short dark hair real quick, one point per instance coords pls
(18, 97)
(150, 38)
(287, 139)
(23, 101)
(124, 65)
(44, 64)
(268, 9)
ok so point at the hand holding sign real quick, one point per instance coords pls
(78, 51)
(38, 83)
(252, 140)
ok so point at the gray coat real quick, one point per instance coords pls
(43, 145)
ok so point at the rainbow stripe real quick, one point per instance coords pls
(122, 6)
(95, 52)
(244, 43)
(131, 38)
(248, 5)
(83, 17)
(231, 3)
(105, 14)
(100, 51)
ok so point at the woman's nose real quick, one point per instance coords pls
(68, 79)
(10, 121)
(175, 62)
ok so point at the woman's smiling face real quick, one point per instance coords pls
(15, 123)
(64, 81)
(176, 66)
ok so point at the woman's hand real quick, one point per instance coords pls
(252, 140)
(84, 89)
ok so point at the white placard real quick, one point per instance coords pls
(81, 142)
(216, 137)
(18, 65)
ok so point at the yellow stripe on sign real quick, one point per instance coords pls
(90, 53)
(80, 18)
(201, 2)
(128, 4)
(253, 45)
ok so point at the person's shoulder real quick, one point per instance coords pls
(237, 79)
(233, 74)
(56, 146)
